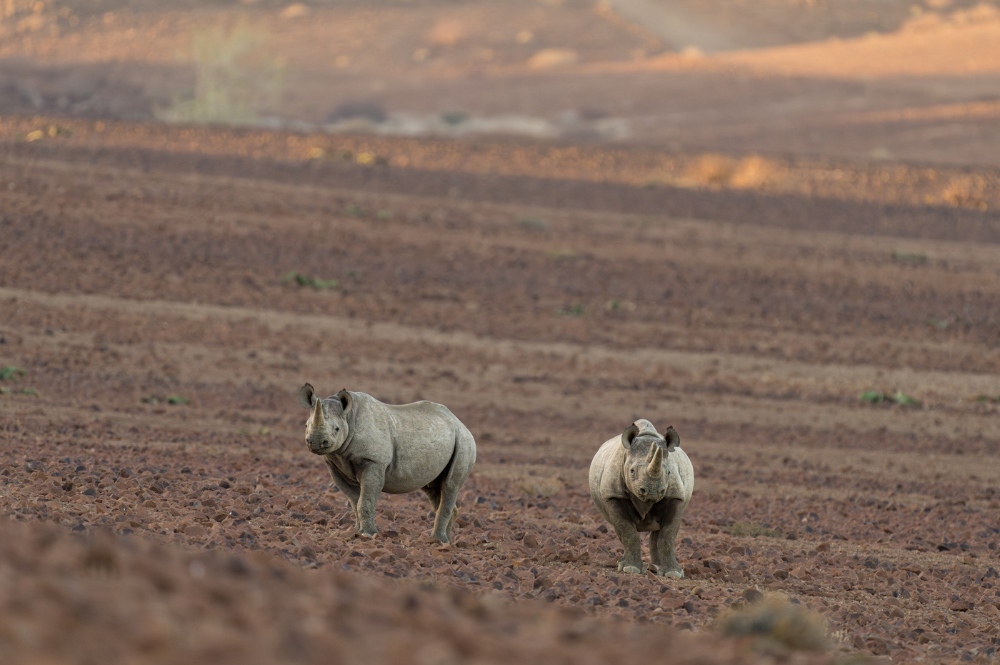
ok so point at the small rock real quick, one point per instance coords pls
(753, 596)
(530, 540)
(961, 606)
(823, 547)
(90, 491)
(196, 530)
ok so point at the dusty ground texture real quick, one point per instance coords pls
(144, 294)
(98, 598)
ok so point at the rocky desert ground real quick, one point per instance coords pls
(818, 321)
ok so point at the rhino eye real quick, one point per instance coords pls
(632, 472)
(336, 429)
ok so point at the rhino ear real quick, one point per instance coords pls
(346, 400)
(628, 436)
(307, 396)
(672, 438)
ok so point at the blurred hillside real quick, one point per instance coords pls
(864, 79)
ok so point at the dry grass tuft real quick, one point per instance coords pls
(539, 487)
(755, 172)
(236, 78)
(751, 529)
(966, 191)
(777, 624)
(711, 170)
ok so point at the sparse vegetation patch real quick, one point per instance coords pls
(236, 78)
(532, 223)
(539, 487)
(11, 373)
(909, 258)
(777, 625)
(879, 396)
(575, 311)
(751, 529)
(171, 399)
(304, 280)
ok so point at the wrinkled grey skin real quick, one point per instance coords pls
(642, 481)
(373, 447)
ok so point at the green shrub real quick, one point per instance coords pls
(12, 373)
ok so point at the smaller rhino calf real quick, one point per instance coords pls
(642, 481)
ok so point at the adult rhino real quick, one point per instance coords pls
(642, 481)
(372, 447)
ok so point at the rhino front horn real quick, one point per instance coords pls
(656, 464)
(318, 413)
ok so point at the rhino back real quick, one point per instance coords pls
(415, 441)
(681, 471)
(605, 476)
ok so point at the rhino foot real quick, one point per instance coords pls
(630, 569)
(677, 572)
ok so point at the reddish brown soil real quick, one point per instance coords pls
(749, 321)
(110, 600)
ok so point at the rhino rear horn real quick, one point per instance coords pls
(628, 436)
(672, 438)
(307, 396)
(346, 400)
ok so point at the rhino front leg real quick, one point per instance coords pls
(351, 491)
(618, 515)
(372, 477)
(662, 543)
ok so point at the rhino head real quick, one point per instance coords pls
(643, 469)
(327, 427)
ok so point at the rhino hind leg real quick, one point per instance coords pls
(452, 479)
(433, 493)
